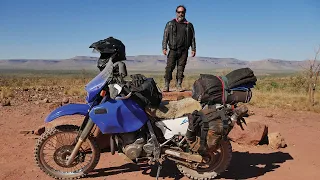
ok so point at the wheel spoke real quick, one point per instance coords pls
(56, 145)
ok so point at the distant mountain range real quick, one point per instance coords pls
(154, 63)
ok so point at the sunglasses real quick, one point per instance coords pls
(180, 12)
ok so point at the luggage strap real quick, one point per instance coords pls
(225, 88)
(204, 132)
(225, 121)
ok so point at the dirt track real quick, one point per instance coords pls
(300, 160)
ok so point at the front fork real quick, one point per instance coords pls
(84, 134)
(85, 129)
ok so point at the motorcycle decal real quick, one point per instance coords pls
(184, 121)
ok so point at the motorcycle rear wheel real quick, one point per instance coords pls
(62, 150)
(216, 165)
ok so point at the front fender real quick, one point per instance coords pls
(69, 109)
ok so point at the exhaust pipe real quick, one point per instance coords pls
(183, 155)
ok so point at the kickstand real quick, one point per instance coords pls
(159, 169)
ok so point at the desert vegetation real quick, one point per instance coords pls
(289, 91)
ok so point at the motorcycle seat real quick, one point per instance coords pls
(174, 109)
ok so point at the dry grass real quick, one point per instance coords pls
(75, 91)
(5, 93)
(73, 84)
(286, 91)
(283, 99)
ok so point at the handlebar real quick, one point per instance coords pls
(125, 97)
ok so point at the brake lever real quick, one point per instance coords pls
(125, 97)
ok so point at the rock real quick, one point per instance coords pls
(174, 96)
(5, 102)
(54, 105)
(252, 134)
(40, 130)
(269, 115)
(173, 109)
(250, 113)
(180, 97)
(45, 100)
(65, 100)
(276, 141)
(37, 102)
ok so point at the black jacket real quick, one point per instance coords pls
(170, 35)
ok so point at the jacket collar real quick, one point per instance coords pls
(185, 21)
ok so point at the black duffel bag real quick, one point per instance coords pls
(144, 91)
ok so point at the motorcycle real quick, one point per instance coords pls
(134, 132)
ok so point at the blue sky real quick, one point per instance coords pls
(246, 29)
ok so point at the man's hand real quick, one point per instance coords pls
(164, 52)
(193, 53)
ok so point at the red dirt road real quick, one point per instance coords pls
(300, 160)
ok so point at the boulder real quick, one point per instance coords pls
(251, 134)
(5, 102)
(175, 109)
(276, 140)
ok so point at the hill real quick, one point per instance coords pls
(154, 63)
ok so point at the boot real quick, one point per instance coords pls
(166, 86)
(179, 87)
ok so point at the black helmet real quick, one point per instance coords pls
(110, 49)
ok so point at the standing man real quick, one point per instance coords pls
(179, 34)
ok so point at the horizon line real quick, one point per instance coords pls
(154, 55)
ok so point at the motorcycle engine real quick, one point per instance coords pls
(132, 144)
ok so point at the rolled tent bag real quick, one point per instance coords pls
(241, 77)
(233, 88)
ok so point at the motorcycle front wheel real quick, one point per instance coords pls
(56, 144)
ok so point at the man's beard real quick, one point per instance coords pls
(180, 18)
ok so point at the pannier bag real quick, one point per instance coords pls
(144, 91)
(207, 126)
(204, 130)
(232, 88)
